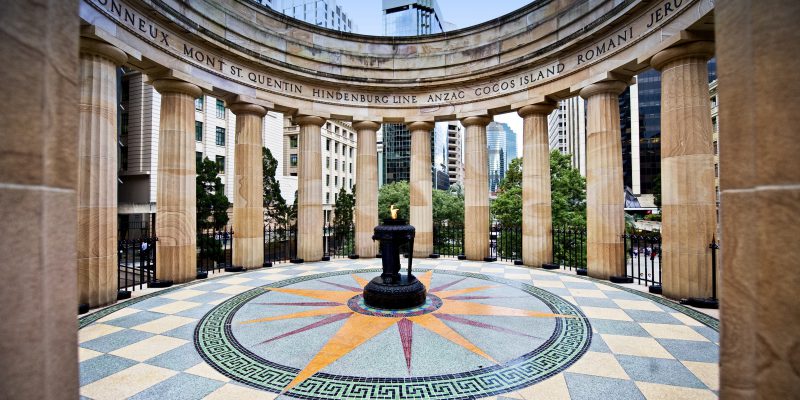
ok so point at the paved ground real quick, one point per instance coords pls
(488, 330)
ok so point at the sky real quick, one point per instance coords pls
(368, 15)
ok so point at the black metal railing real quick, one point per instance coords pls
(505, 242)
(280, 243)
(448, 239)
(338, 241)
(569, 246)
(643, 257)
(214, 250)
(136, 263)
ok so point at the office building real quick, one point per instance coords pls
(322, 13)
(502, 143)
(338, 159)
(412, 17)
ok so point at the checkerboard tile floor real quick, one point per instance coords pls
(642, 346)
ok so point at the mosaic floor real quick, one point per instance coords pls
(488, 330)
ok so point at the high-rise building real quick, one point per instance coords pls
(455, 164)
(566, 127)
(412, 17)
(324, 13)
(640, 132)
(338, 159)
(215, 127)
(502, 143)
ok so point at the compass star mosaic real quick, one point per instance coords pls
(335, 345)
(242, 336)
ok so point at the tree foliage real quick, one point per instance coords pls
(343, 209)
(657, 190)
(212, 204)
(568, 192)
(394, 193)
(507, 207)
(275, 208)
(448, 205)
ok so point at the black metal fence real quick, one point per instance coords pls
(214, 250)
(136, 263)
(448, 239)
(280, 243)
(569, 246)
(505, 242)
(643, 257)
(338, 241)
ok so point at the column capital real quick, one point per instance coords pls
(479, 120)
(243, 108)
(538, 108)
(308, 120)
(366, 125)
(420, 126)
(613, 87)
(701, 49)
(166, 85)
(103, 49)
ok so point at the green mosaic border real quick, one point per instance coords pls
(570, 340)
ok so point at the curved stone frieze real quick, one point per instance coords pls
(548, 48)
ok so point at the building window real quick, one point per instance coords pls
(344, 150)
(336, 181)
(335, 165)
(351, 183)
(198, 156)
(198, 103)
(327, 197)
(220, 136)
(327, 162)
(351, 168)
(221, 164)
(293, 160)
(336, 147)
(293, 142)
(327, 180)
(351, 152)
(328, 144)
(220, 109)
(198, 131)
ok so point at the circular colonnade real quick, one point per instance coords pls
(258, 60)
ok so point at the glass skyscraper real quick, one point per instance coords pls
(411, 17)
(502, 144)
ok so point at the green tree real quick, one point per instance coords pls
(513, 176)
(394, 193)
(657, 190)
(212, 204)
(343, 209)
(275, 207)
(567, 191)
(212, 209)
(448, 207)
(507, 207)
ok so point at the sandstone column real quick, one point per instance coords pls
(38, 197)
(366, 211)
(605, 193)
(689, 217)
(309, 189)
(476, 188)
(537, 219)
(176, 195)
(248, 193)
(757, 43)
(97, 173)
(419, 187)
